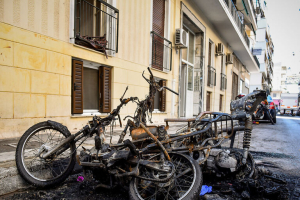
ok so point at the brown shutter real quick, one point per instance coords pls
(207, 101)
(158, 26)
(162, 104)
(77, 87)
(105, 89)
(221, 101)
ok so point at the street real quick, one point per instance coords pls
(275, 147)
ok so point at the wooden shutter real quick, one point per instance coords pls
(234, 85)
(77, 87)
(162, 104)
(158, 26)
(105, 89)
(208, 101)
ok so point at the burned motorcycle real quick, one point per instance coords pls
(263, 109)
(46, 155)
(202, 137)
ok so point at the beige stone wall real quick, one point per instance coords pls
(36, 55)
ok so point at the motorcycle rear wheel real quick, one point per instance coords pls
(36, 170)
(184, 187)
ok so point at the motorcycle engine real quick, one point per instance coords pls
(223, 162)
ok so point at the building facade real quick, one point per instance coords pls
(263, 51)
(53, 64)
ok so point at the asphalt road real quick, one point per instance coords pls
(276, 147)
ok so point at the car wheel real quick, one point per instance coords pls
(274, 116)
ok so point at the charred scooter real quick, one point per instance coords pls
(202, 137)
(46, 155)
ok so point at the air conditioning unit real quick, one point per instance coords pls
(229, 58)
(220, 49)
(181, 38)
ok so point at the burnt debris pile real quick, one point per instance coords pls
(263, 185)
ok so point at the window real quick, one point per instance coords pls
(160, 97)
(241, 86)
(161, 55)
(211, 72)
(274, 95)
(96, 25)
(223, 76)
(188, 54)
(211, 80)
(91, 88)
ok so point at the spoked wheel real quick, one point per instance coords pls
(185, 184)
(36, 170)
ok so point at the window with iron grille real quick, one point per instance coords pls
(161, 55)
(96, 25)
(211, 79)
(223, 82)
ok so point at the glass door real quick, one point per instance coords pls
(187, 78)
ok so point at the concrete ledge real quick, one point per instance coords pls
(11, 181)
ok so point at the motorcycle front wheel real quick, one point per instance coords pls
(185, 184)
(36, 170)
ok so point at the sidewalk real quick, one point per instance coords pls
(10, 180)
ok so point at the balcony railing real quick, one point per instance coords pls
(238, 20)
(223, 82)
(211, 78)
(96, 25)
(161, 53)
(257, 62)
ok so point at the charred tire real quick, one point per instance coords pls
(274, 116)
(29, 174)
(194, 188)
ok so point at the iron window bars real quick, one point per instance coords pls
(161, 52)
(95, 19)
(223, 82)
(211, 80)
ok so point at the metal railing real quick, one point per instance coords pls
(223, 82)
(95, 19)
(161, 52)
(234, 12)
(211, 78)
(257, 62)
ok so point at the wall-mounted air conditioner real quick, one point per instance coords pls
(181, 38)
(229, 58)
(220, 49)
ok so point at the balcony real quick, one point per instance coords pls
(223, 15)
(211, 78)
(257, 62)
(223, 82)
(161, 53)
(96, 25)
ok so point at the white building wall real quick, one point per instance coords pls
(255, 81)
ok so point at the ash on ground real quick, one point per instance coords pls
(71, 189)
(263, 185)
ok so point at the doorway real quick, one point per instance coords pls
(235, 85)
(208, 94)
(187, 75)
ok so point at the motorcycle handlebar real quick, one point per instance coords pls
(150, 71)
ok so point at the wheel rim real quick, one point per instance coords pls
(177, 188)
(37, 167)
